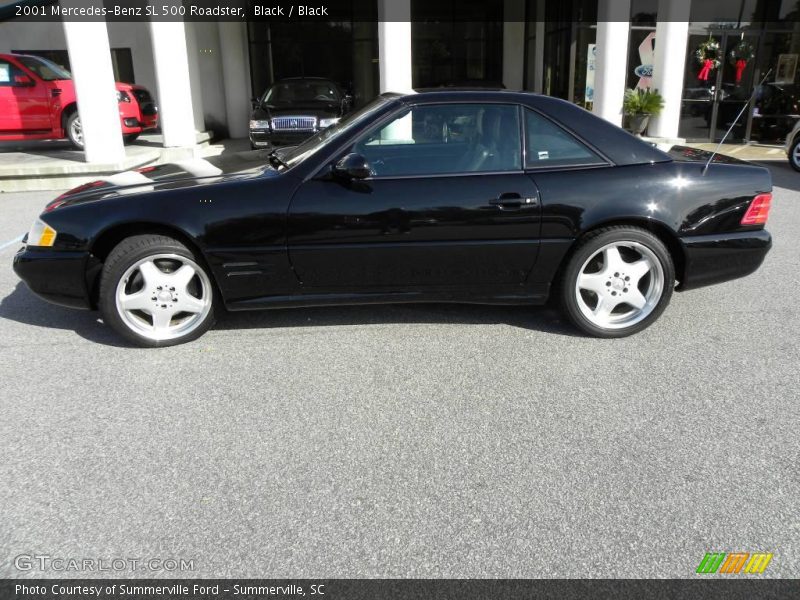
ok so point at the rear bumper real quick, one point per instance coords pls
(56, 276)
(721, 257)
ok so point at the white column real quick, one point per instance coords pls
(195, 81)
(176, 111)
(613, 28)
(235, 76)
(93, 77)
(513, 44)
(672, 35)
(394, 45)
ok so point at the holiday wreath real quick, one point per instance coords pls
(707, 54)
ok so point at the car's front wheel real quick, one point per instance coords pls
(75, 131)
(617, 282)
(794, 154)
(154, 292)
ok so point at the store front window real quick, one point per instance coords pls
(569, 32)
(344, 51)
(449, 50)
(740, 49)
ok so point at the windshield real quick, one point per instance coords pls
(292, 92)
(44, 68)
(319, 140)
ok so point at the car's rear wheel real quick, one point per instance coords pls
(75, 131)
(794, 154)
(617, 282)
(154, 292)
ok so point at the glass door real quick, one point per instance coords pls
(718, 82)
(734, 86)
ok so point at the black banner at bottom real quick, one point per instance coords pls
(396, 589)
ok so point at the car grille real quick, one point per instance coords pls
(294, 123)
(142, 96)
(145, 101)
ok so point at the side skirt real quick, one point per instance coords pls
(328, 299)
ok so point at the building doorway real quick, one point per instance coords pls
(718, 83)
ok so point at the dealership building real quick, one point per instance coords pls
(705, 57)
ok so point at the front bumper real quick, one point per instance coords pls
(57, 276)
(716, 258)
(134, 119)
(261, 138)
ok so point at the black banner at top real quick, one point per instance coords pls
(288, 10)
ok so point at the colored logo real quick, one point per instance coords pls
(734, 562)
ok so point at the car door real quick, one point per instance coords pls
(24, 104)
(448, 205)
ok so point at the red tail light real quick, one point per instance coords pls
(758, 211)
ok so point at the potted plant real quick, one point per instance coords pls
(638, 106)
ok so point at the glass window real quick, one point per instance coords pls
(550, 146)
(445, 138)
(44, 68)
(9, 74)
(5, 73)
(721, 14)
(301, 90)
(316, 142)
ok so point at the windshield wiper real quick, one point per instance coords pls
(276, 161)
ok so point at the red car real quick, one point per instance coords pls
(37, 102)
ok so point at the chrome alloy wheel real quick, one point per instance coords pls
(619, 285)
(76, 131)
(796, 155)
(164, 296)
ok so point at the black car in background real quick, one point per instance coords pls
(291, 110)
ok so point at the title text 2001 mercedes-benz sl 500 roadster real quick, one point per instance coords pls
(440, 196)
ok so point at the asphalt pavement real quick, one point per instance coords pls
(407, 441)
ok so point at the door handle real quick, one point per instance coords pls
(512, 200)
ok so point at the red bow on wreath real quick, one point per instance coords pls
(708, 65)
(741, 64)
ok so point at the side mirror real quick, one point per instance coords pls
(352, 166)
(23, 81)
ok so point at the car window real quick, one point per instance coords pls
(316, 142)
(45, 69)
(445, 138)
(548, 145)
(9, 74)
(301, 91)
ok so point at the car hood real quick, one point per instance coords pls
(122, 87)
(687, 154)
(182, 174)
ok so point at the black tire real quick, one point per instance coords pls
(76, 142)
(130, 137)
(641, 241)
(793, 153)
(125, 256)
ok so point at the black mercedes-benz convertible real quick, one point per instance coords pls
(440, 196)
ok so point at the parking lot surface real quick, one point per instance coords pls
(408, 441)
